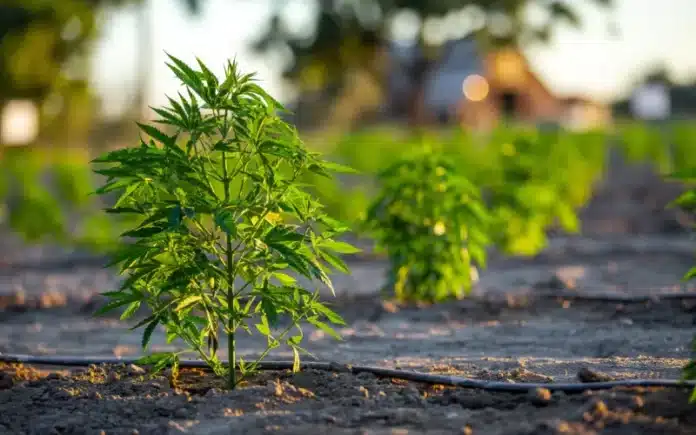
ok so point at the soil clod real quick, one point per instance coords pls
(587, 375)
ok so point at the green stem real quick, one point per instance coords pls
(231, 343)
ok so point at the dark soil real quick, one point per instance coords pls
(126, 400)
(123, 400)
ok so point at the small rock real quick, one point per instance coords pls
(626, 321)
(340, 368)
(410, 391)
(136, 370)
(553, 283)
(275, 388)
(304, 379)
(212, 392)
(540, 396)
(328, 418)
(62, 395)
(559, 395)
(637, 402)
(689, 305)
(365, 392)
(365, 376)
(54, 377)
(6, 381)
(113, 377)
(181, 413)
(586, 375)
(599, 408)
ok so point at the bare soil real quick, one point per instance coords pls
(533, 321)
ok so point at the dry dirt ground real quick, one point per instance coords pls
(613, 304)
(530, 321)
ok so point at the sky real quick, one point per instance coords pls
(589, 62)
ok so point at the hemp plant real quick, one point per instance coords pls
(433, 224)
(224, 223)
(687, 202)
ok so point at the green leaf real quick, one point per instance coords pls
(110, 306)
(130, 190)
(187, 75)
(270, 311)
(145, 232)
(284, 279)
(187, 302)
(334, 261)
(263, 328)
(224, 219)
(149, 329)
(337, 167)
(329, 314)
(157, 134)
(691, 274)
(166, 258)
(132, 308)
(340, 247)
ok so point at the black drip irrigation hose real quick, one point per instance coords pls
(427, 378)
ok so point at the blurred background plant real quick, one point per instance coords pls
(368, 81)
(433, 224)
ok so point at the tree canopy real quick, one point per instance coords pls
(346, 33)
(41, 39)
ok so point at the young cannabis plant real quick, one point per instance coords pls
(432, 223)
(687, 202)
(224, 223)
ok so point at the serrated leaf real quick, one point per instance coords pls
(157, 134)
(337, 167)
(334, 261)
(338, 246)
(263, 328)
(225, 221)
(332, 316)
(132, 308)
(155, 358)
(147, 333)
(167, 258)
(284, 279)
(187, 302)
(270, 311)
(110, 306)
(691, 274)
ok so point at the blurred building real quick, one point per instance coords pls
(479, 90)
(657, 97)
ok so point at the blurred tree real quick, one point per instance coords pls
(350, 33)
(43, 56)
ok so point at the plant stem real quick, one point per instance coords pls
(231, 343)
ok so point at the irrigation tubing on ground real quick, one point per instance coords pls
(428, 378)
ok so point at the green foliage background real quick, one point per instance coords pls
(531, 180)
